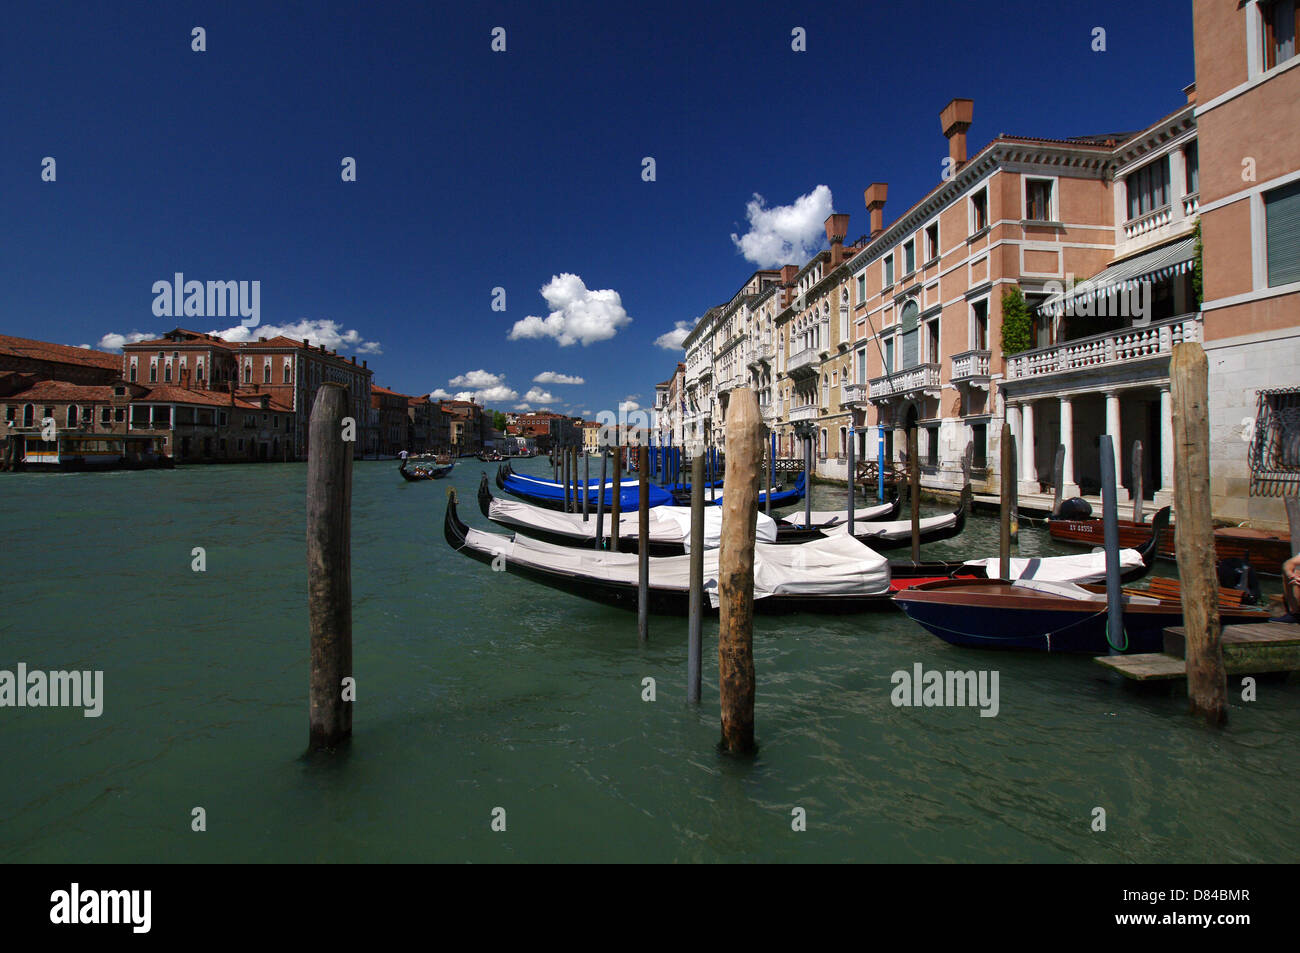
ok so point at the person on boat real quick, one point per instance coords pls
(1290, 590)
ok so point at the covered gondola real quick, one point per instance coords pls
(551, 495)
(826, 519)
(831, 575)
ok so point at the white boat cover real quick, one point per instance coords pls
(668, 524)
(626, 484)
(894, 529)
(832, 566)
(826, 518)
(1070, 590)
(1081, 567)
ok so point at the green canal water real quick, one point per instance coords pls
(478, 690)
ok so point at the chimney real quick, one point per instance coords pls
(363, 364)
(262, 340)
(1190, 93)
(837, 226)
(875, 198)
(787, 273)
(955, 120)
(306, 342)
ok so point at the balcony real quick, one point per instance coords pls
(921, 379)
(804, 412)
(803, 364)
(855, 395)
(1148, 222)
(1191, 203)
(762, 353)
(971, 367)
(1106, 351)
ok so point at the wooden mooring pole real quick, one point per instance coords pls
(615, 499)
(1007, 476)
(852, 441)
(1137, 481)
(329, 569)
(695, 646)
(600, 500)
(1014, 521)
(1194, 541)
(586, 483)
(1058, 479)
(736, 573)
(914, 491)
(1116, 638)
(643, 545)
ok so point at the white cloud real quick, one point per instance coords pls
(578, 314)
(785, 233)
(479, 378)
(552, 377)
(439, 394)
(523, 407)
(318, 332)
(628, 405)
(496, 394)
(675, 339)
(539, 396)
(114, 341)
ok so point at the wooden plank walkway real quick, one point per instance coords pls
(1247, 649)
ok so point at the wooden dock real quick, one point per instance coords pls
(1247, 650)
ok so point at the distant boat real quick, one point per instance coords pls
(419, 473)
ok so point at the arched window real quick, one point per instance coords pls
(167, 372)
(823, 442)
(29, 415)
(72, 415)
(826, 391)
(266, 371)
(288, 370)
(844, 441)
(248, 372)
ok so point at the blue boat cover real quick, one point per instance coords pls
(629, 497)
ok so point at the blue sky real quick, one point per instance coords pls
(478, 170)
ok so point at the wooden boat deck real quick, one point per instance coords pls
(1247, 650)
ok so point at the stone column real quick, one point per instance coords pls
(1025, 448)
(1117, 439)
(1165, 493)
(1068, 487)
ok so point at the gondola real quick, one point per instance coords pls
(419, 474)
(670, 529)
(779, 497)
(551, 495)
(897, 534)
(827, 575)
(669, 526)
(1040, 616)
(825, 519)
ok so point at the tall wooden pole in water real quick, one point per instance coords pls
(852, 441)
(695, 647)
(1137, 481)
(914, 491)
(1058, 479)
(586, 482)
(1194, 540)
(643, 546)
(1007, 476)
(564, 475)
(736, 573)
(600, 500)
(1014, 521)
(616, 498)
(767, 491)
(329, 568)
(1116, 638)
(807, 479)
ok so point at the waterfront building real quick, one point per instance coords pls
(591, 436)
(465, 423)
(394, 421)
(24, 361)
(290, 371)
(1248, 85)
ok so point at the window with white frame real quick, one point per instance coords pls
(979, 211)
(888, 267)
(1281, 20)
(979, 325)
(932, 241)
(1148, 188)
(1040, 199)
(1282, 234)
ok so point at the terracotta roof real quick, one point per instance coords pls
(63, 391)
(197, 339)
(61, 353)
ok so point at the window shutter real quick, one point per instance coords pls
(1282, 214)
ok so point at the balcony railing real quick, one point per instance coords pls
(919, 378)
(1148, 222)
(1156, 339)
(855, 393)
(970, 365)
(801, 360)
(804, 412)
(1191, 203)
